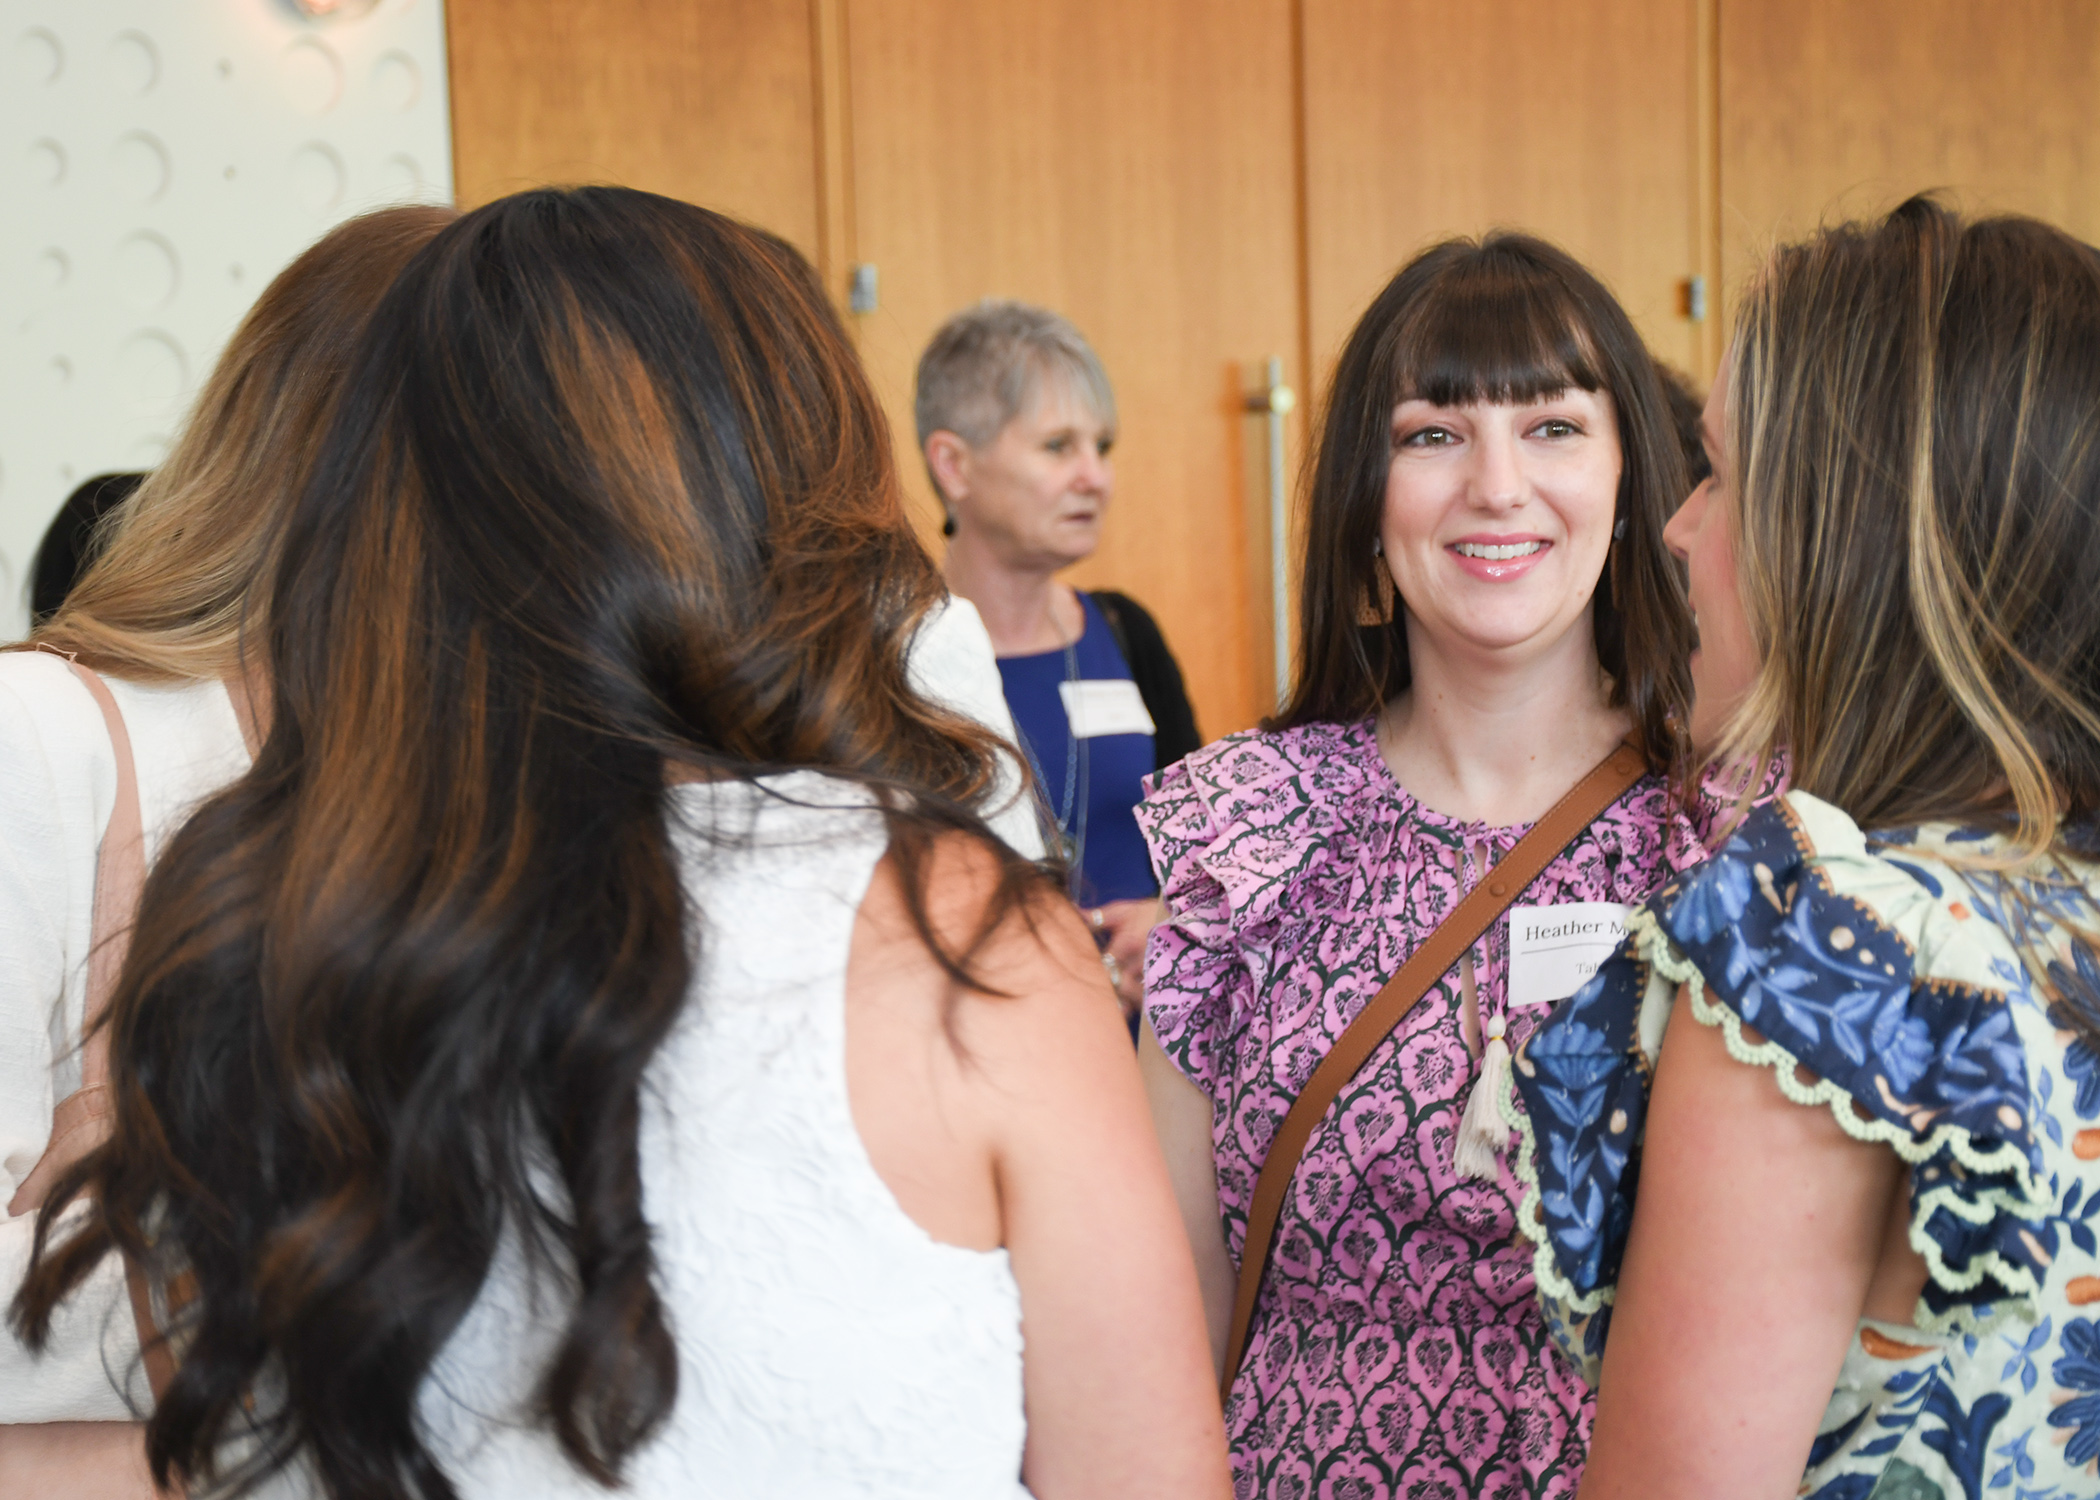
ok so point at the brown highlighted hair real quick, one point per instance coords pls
(1914, 419)
(1501, 319)
(175, 567)
(607, 497)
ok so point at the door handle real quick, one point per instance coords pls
(1275, 400)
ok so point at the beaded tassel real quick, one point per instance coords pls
(1482, 1134)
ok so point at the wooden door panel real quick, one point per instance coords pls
(1131, 166)
(1577, 122)
(712, 101)
(1838, 111)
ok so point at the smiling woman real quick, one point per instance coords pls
(1488, 611)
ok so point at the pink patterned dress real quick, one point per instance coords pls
(1397, 1349)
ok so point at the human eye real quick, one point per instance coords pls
(1557, 427)
(1059, 444)
(1103, 447)
(1427, 437)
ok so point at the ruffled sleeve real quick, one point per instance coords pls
(1870, 987)
(1239, 835)
(1195, 977)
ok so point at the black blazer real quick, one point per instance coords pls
(1157, 675)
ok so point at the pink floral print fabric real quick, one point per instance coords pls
(1397, 1349)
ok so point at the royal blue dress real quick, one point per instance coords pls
(1089, 786)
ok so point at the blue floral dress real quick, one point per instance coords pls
(1937, 1007)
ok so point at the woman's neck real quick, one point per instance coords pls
(1024, 612)
(1499, 741)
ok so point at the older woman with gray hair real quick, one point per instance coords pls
(1016, 419)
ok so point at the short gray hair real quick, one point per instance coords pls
(986, 366)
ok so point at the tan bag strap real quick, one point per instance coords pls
(1563, 823)
(244, 695)
(81, 1120)
(120, 875)
(120, 872)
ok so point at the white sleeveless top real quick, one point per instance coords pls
(827, 1346)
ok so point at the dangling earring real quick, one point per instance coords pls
(1378, 546)
(1618, 529)
(948, 523)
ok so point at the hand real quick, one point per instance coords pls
(1121, 927)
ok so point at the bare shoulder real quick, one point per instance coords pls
(1033, 968)
(1008, 1112)
(943, 1073)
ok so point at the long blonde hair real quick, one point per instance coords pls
(168, 593)
(1915, 419)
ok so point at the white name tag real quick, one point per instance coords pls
(1554, 950)
(1104, 706)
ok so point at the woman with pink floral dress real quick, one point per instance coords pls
(1488, 610)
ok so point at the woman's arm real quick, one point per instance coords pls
(1121, 1400)
(1756, 1235)
(1016, 1118)
(1181, 1114)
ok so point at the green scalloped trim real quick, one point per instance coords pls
(1654, 946)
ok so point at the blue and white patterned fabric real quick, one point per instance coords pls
(1929, 1004)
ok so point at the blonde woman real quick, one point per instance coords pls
(160, 618)
(1853, 1062)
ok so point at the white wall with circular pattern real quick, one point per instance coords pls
(160, 161)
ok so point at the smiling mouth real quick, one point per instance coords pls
(1496, 552)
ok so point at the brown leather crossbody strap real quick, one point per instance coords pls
(1563, 823)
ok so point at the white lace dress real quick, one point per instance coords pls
(827, 1346)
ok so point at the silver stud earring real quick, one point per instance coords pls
(1378, 546)
(1618, 528)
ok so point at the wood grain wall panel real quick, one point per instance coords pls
(1836, 111)
(1577, 122)
(1133, 167)
(712, 101)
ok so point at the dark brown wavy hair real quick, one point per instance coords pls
(608, 496)
(1505, 318)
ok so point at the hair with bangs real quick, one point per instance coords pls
(1503, 319)
(1914, 422)
(607, 494)
(176, 567)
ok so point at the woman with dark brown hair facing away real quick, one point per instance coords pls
(1488, 612)
(158, 619)
(647, 1070)
(1852, 1065)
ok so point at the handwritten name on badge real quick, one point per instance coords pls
(1553, 950)
(1101, 706)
